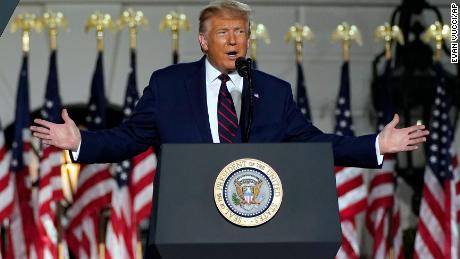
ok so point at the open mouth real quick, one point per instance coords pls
(232, 54)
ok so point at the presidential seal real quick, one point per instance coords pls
(248, 192)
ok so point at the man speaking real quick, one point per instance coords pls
(206, 102)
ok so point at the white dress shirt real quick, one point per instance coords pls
(235, 87)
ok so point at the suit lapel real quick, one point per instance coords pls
(196, 88)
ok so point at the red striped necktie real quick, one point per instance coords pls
(226, 114)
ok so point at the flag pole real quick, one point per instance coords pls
(133, 19)
(438, 33)
(388, 34)
(52, 21)
(100, 21)
(258, 31)
(26, 22)
(298, 33)
(347, 33)
(175, 22)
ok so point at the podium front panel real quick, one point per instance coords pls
(187, 223)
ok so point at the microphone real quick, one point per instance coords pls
(244, 69)
(243, 66)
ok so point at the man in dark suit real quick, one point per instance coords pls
(204, 102)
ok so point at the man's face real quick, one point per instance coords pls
(225, 39)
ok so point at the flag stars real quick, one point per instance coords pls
(433, 159)
(434, 147)
(44, 114)
(343, 123)
(435, 124)
(303, 110)
(444, 140)
(126, 164)
(88, 119)
(49, 104)
(15, 144)
(341, 100)
(92, 107)
(127, 111)
(436, 112)
(437, 101)
(347, 113)
(434, 136)
(97, 120)
(14, 162)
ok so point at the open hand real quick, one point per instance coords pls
(393, 140)
(64, 136)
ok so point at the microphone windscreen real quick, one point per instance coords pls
(242, 66)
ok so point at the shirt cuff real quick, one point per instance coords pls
(377, 151)
(76, 153)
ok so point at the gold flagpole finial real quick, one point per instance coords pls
(388, 34)
(52, 21)
(299, 33)
(132, 19)
(26, 22)
(258, 31)
(347, 33)
(439, 33)
(175, 22)
(99, 21)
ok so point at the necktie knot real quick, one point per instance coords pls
(224, 78)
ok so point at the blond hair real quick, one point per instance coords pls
(228, 7)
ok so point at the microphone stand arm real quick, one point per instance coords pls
(251, 102)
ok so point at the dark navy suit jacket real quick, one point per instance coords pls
(173, 109)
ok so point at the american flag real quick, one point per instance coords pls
(132, 199)
(95, 182)
(121, 238)
(83, 239)
(437, 233)
(6, 183)
(302, 97)
(383, 212)
(50, 186)
(349, 181)
(23, 241)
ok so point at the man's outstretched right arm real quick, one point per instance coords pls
(104, 146)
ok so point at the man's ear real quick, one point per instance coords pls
(203, 42)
